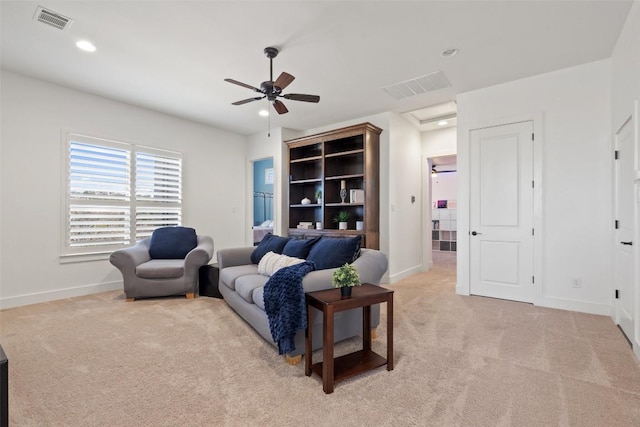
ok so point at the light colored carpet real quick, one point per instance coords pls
(460, 361)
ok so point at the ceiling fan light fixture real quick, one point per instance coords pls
(263, 113)
(86, 46)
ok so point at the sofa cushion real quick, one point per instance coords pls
(160, 269)
(299, 248)
(272, 262)
(269, 243)
(229, 275)
(333, 252)
(172, 242)
(245, 285)
(258, 297)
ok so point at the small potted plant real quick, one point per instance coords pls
(341, 219)
(344, 278)
(318, 196)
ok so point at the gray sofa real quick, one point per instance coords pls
(242, 288)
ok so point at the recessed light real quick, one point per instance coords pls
(443, 123)
(263, 113)
(449, 52)
(85, 45)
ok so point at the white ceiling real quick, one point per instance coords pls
(172, 56)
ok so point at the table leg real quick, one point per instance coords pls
(390, 333)
(327, 350)
(308, 342)
(366, 328)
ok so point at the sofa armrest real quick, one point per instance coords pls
(234, 256)
(201, 254)
(126, 260)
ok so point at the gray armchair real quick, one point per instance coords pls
(146, 277)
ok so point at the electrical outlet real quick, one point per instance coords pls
(576, 283)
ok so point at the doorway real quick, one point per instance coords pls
(624, 224)
(444, 218)
(263, 180)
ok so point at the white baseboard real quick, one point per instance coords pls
(27, 299)
(393, 278)
(574, 305)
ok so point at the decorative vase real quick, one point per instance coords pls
(343, 194)
(342, 225)
(359, 225)
(345, 291)
(305, 201)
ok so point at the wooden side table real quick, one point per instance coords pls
(330, 302)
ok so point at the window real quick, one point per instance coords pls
(118, 193)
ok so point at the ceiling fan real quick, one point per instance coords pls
(272, 90)
(435, 172)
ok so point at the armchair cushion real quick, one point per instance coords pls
(172, 242)
(160, 269)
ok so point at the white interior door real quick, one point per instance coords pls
(624, 250)
(501, 216)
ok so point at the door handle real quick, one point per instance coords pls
(475, 233)
(627, 243)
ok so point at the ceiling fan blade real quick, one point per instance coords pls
(302, 97)
(235, 82)
(244, 101)
(284, 80)
(279, 107)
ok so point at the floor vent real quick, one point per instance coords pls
(52, 18)
(427, 83)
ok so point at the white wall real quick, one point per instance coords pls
(440, 142)
(34, 113)
(405, 216)
(574, 105)
(625, 91)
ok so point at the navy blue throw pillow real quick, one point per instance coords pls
(172, 242)
(269, 243)
(333, 252)
(299, 248)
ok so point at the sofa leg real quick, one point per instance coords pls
(191, 295)
(131, 299)
(293, 360)
(374, 333)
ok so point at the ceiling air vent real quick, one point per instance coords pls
(52, 18)
(427, 83)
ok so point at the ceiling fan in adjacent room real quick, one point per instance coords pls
(272, 90)
(435, 172)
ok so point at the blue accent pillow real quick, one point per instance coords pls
(172, 242)
(299, 248)
(333, 252)
(269, 243)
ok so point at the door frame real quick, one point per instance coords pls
(463, 286)
(615, 309)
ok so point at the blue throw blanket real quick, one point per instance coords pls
(285, 305)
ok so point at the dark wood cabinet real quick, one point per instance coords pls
(326, 162)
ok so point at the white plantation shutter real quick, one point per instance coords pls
(99, 196)
(149, 218)
(102, 213)
(158, 192)
(158, 178)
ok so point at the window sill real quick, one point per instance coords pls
(87, 257)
